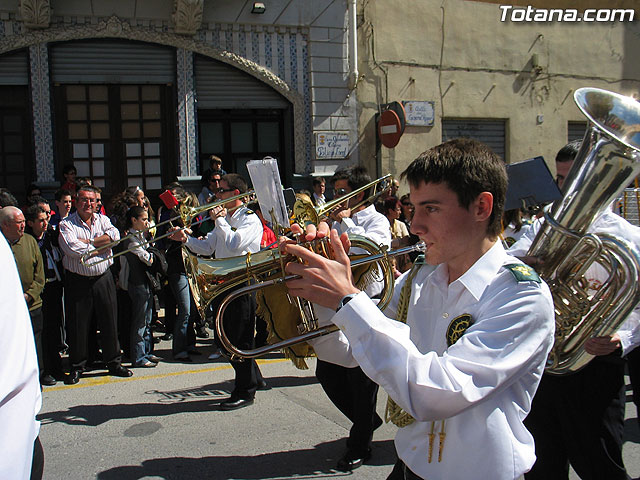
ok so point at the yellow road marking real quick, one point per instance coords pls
(103, 380)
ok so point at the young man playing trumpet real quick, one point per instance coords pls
(479, 323)
(347, 386)
(238, 231)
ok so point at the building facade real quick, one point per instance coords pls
(141, 92)
(509, 83)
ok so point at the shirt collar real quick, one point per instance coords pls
(364, 212)
(479, 276)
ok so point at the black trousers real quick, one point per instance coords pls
(633, 364)
(239, 324)
(85, 297)
(36, 325)
(53, 331)
(37, 464)
(355, 396)
(401, 472)
(578, 419)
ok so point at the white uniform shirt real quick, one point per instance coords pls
(20, 397)
(369, 223)
(612, 224)
(482, 386)
(236, 234)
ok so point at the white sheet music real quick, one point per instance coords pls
(265, 177)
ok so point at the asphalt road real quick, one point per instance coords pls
(164, 423)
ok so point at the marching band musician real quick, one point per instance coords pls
(479, 323)
(235, 233)
(578, 419)
(347, 386)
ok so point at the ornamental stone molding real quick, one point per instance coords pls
(114, 27)
(35, 14)
(187, 16)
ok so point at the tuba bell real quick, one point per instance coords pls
(608, 161)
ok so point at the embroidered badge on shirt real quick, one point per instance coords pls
(457, 327)
(523, 273)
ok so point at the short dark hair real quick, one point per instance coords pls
(467, 167)
(236, 182)
(318, 181)
(37, 200)
(31, 213)
(61, 192)
(356, 177)
(569, 151)
(7, 199)
(69, 168)
(31, 188)
(86, 188)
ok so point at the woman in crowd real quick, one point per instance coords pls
(399, 231)
(133, 278)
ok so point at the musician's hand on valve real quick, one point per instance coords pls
(340, 213)
(602, 345)
(179, 234)
(218, 211)
(323, 281)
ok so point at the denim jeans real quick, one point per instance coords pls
(180, 287)
(141, 312)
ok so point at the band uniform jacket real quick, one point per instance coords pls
(475, 392)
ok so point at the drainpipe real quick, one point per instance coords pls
(353, 50)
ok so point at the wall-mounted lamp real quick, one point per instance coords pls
(258, 7)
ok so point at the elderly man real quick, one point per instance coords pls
(29, 262)
(88, 285)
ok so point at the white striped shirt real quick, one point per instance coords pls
(74, 228)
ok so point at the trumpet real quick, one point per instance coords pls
(186, 215)
(304, 212)
(209, 278)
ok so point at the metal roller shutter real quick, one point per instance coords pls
(112, 61)
(491, 132)
(575, 131)
(219, 85)
(14, 68)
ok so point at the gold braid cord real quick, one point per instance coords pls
(393, 412)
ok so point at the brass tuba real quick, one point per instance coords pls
(608, 161)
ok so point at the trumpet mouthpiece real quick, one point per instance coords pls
(420, 247)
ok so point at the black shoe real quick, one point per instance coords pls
(155, 358)
(167, 336)
(156, 340)
(352, 460)
(194, 351)
(263, 385)
(47, 380)
(73, 377)
(202, 332)
(120, 371)
(235, 403)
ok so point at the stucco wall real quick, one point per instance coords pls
(458, 54)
